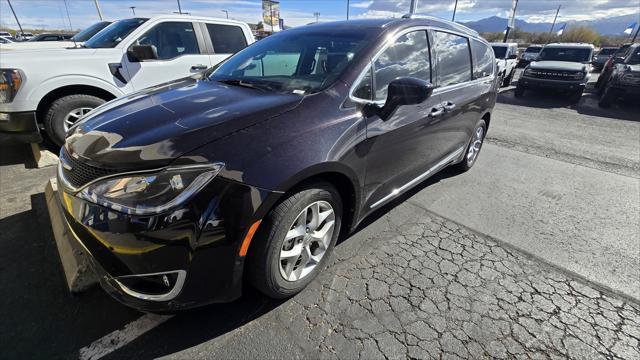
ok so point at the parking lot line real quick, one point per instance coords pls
(119, 338)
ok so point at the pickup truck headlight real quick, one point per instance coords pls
(528, 72)
(10, 82)
(579, 75)
(150, 193)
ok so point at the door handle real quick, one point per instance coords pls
(449, 106)
(199, 67)
(435, 112)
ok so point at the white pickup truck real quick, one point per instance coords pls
(51, 90)
(506, 59)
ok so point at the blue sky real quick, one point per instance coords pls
(51, 14)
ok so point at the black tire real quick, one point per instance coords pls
(519, 91)
(507, 81)
(58, 110)
(264, 255)
(467, 163)
(576, 96)
(607, 98)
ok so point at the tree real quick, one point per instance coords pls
(580, 34)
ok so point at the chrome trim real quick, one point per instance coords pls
(393, 37)
(444, 162)
(161, 297)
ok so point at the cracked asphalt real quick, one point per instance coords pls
(544, 264)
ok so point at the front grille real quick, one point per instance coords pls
(77, 173)
(554, 74)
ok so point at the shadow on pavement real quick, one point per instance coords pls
(40, 318)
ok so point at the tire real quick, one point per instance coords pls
(54, 120)
(507, 81)
(468, 160)
(576, 96)
(266, 268)
(519, 91)
(607, 98)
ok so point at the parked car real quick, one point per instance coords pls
(506, 59)
(602, 56)
(560, 66)
(23, 36)
(254, 168)
(5, 34)
(5, 40)
(77, 40)
(624, 80)
(127, 56)
(529, 54)
(51, 37)
(608, 65)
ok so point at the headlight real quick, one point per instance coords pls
(528, 72)
(150, 193)
(579, 75)
(10, 82)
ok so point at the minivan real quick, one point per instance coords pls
(248, 173)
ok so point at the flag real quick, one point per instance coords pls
(561, 30)
(630, 28)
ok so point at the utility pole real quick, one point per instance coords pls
(554, 20)
(15, 16)
(455, 7)
(506, 34)
(98, 8)
(226, 12)
(133, 9)
(68, 17)
(414, 5)
(348, 9)
(179, 7)
(317, 15)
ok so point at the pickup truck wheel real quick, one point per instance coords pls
(576, 96)
(65, 111)
(295, 240)
(507, 81)
(473, 149)
(519, 91)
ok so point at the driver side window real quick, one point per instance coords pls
(171, 39)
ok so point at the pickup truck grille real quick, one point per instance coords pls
(77, 173)
(554, 74)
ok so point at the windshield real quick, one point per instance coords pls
(607, 51)
(533, 49)
(622, 50)
(565, 54)
(113, 34)
(500, 51)
(88, 33)
(302, 62)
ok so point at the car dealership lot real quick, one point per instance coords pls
(535, 250)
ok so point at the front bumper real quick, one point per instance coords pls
(536, 83)
(201, 239)
(19, 127)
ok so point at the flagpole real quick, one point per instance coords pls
(636, 35)
(455, 7)
(506, 35)
(15, 16)
(554, 20)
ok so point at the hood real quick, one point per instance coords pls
(151, 128)
(558, 65)
(45, 57)
(38, 45)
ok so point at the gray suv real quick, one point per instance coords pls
(560, 66)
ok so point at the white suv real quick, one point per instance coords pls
(506, 59)
(53, 89)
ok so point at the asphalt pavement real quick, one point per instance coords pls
(534, 253)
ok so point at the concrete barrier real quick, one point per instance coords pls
(75, 261)
(42, 156)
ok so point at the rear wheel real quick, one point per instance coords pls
(65, 111)
(519, 91)
(473, 149)
(576, 96)
(296, 239)
(607, 98)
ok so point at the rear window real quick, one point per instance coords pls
(500, 51)
(533, 49)
(454, 58)
(226, 39)
(482, 59)
(609, 51)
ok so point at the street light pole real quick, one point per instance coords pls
(15, 16)
(455, 7)
(133, 9)
(98, 8)
(226, 12)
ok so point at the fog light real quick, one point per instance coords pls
(4, 117)
(155, 287)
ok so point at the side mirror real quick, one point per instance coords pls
(138, 53)
(405, 91)
(513, 56)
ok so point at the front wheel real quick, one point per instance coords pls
(607, 98)
(473, 149)
(64, 112)
(295, 240)
(519, 91)
(507, 81)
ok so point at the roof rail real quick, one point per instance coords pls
(430, 17)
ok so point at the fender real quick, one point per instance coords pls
(56, 82)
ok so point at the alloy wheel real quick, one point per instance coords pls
(475, 146)
(307, 241)
(74, 115)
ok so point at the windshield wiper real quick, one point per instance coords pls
(244, 83)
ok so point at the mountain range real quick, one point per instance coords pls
(606, 26)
